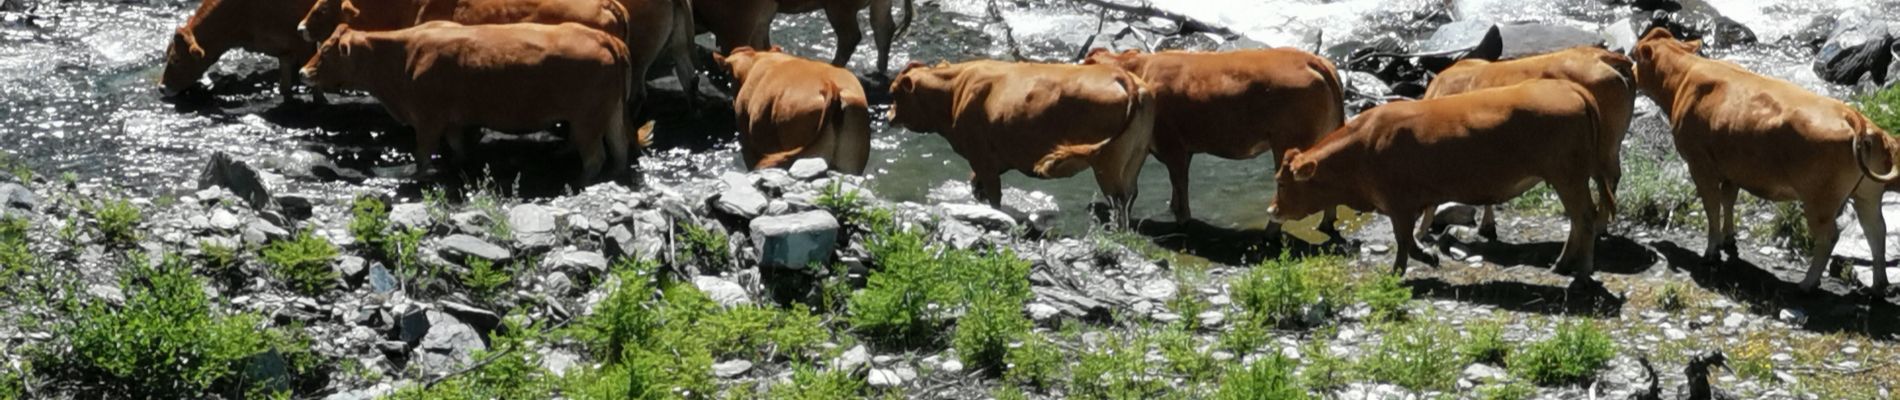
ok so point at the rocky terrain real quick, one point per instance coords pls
(315, 275)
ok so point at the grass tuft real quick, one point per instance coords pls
(1574, 354)
(1270, 377)
(1418, 355)
(303, 263)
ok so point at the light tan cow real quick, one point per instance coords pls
(441, 77)
(748, 23)
(1234, 105)
(1481, 147)
(1739, 130)
(1602, 71)
(264, 26)
(1045, 120)
(790, 108)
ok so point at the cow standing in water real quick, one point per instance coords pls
(1234, 105)
(1739, 130)
(1481, 147)
(1603, 72)
(263, 26)
(748, 23)
(790, 108)
(1045, 120)
(441, 77)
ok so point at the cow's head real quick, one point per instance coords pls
(324, 17)
(185, 62)
(1302, 188)
(739, 62)
(921, 97)
(333, 65)
(1655, 48)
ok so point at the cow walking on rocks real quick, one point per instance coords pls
(1740, 130)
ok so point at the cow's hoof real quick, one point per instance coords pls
(1489, 232)
(1808, 285)
(1732, 250)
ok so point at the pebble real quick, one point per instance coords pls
(884, 378)
(952, 366)
(732, 368)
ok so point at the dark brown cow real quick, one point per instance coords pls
(441, 77)
(790, 108)
(1234, 105)
(748, 23)
(1739, 130)
(1602, 71)
(647, 26)
(263, 26)
(1045, 120)
(1481, 147)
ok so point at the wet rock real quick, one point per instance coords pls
(295, 208)
(1491, 41)
(482, 320)
(533, 225)
(1859, 47)
(795, 241)
(740, 200)
(457, 248)
(18, 197)
(1481, 372)
(445, 345)
(370, 393)
(471, 222)
(731, 368)
(1696, 19)
(726, 293)
(223, 171)
(980, 215)
(808, 168)
(584, 262)
(1034, 207)
(411, 215)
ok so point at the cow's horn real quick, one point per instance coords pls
(1860, 158)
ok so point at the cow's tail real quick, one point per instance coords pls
(1864, 131)
(831, 120)
(1330, 72)
(1603, 155)
(1624, 66)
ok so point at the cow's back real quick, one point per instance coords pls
(1239, 104)
(1021, 113)
(264, 26)
(1458, 147)
(490, 73)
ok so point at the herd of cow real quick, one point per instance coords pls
(1484, 133)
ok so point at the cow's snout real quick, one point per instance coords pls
(1274, 212)
(307, 73)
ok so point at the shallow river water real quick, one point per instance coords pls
(78, 92)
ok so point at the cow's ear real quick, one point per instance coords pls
(191, 42)
(1694, 46)
(1303, 169)
(719, 58)
(903, 84)
(1657, 33)
(776, 49)
(1095, 52)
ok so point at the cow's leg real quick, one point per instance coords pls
(1177, 162)
(1820, 212)
(288, 76)
(1874, 225)
(1402, 229)
(587, 137)
(1425, 221)
(1728, 191)
(844, 22)
(986, 184)
(1579, 255)
(882, 28)
(618, 134)
(428, 138)
(1709, 191)
(680, 47)
(1488, 224)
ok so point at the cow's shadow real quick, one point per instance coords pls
(1831, 307)
(1232, 246)
(1582, 297)
(1614, 254)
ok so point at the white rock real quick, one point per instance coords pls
(884, 378)
(726, 293)
(808, 168)
(731, 368)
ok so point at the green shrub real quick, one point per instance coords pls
(649, 347)
(513, 370)
(625, 316)
(13, 382)
(1270, 377)
(1324, 371)
(484, 278)
(811, 384)
(1882, 107)
(16, 254)
(369, 221)
(1788, 227)
(1279, 292)
(1387, 296)
(1540, 200)
(1117, 370)
(1184, 354)
(798, 333)
(1506, 391)
(895, 302)
(1484, 342)
(167, 341)
(984, 333)
(1575, 354)
(1418, 355)
(1033, 362)
(703, 246)
(844, 203)
(303, 263)
(217, 258)
(117, 221)
(404, 251)
(1244, 337)
(756, 332)
(1007, 392)
(489, 201)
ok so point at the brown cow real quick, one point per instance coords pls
(1602, 71)
(263, 26)
(441, 77)
(748, 23)
(1739, 130)
(647, 26)
(790, 108)
(1234, 105)
(1045, 120)
(1481, 147)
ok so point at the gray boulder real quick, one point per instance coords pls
(236, 176)
(579, 261)
(1856, 48)
(740, 200)
(796, 240)
(809, 168)
(533, 225)
(411, 215)
(445, 345)
(980, 215)
(16, 196)
(457, 248)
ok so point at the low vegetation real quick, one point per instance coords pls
(1574, 354)
(1883, 107)
(303, 263)
(1269, 378)
(116, 221)
(16, 254)
(1417, 355)
(703, 246)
